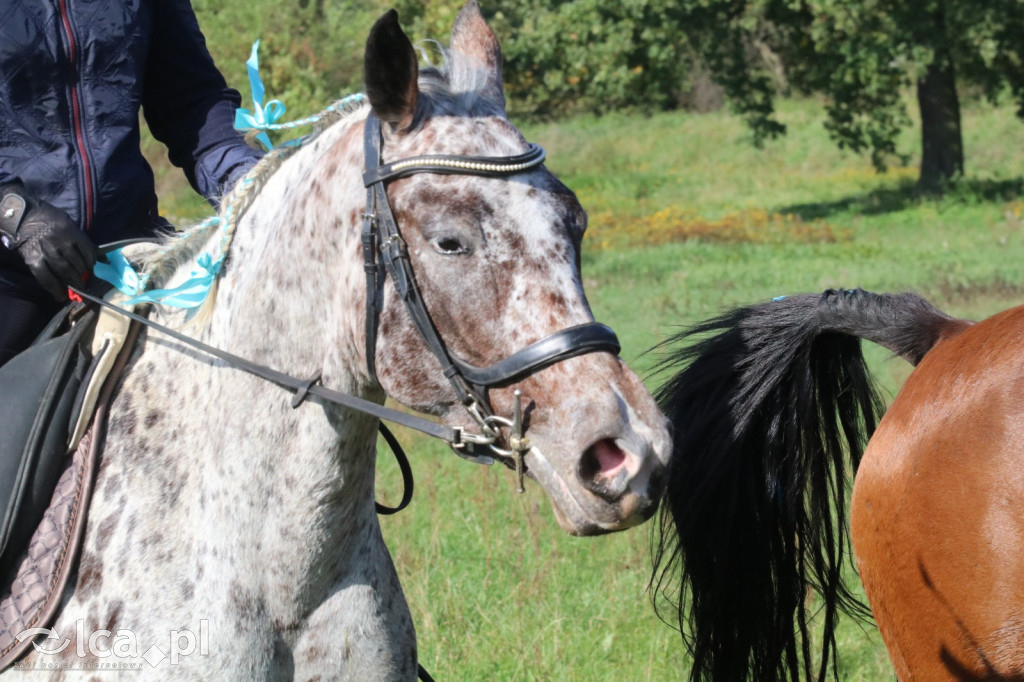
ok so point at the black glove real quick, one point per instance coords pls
(52, 246)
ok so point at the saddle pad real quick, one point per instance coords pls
(33, 595)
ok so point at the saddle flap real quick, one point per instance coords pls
(38, 390)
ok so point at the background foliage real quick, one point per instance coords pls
(862, 55)
(311, 51)
(588, 56)
(566, 57)
(560, 57)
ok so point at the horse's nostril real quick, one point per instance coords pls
(609, 456)
(599, 469)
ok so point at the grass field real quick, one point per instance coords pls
(687, 219)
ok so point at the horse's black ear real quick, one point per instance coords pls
(473, 37)
(390, 71)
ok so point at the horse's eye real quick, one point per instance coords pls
(449, 246)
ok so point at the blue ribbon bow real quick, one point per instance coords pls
(189, 294)
(261, 117)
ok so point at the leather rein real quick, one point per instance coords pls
(385, 255)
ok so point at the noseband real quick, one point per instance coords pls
(385, 253)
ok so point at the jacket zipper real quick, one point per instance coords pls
(76, 114)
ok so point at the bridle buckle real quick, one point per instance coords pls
(393, 246)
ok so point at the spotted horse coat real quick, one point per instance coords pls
(237, 535)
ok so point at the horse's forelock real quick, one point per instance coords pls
(455, 79)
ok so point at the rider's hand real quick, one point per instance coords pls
(52, 246)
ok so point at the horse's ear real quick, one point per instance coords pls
(473, 37)
(390, 71)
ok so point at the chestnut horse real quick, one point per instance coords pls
(771, 412)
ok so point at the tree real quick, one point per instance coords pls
(863, 55)
(565, 57)
(562, 57)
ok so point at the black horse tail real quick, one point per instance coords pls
(772, 399)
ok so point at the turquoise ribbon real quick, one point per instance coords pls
(119, 272)
(264, 117)
(190, 294)
(261, 117)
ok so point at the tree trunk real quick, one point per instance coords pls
(942, 146)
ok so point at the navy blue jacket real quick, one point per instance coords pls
(73, 77)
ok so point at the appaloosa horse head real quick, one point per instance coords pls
(223, 514)
(498, 263)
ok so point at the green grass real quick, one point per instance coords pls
(687, 219)
(499, 592)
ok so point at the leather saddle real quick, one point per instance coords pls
(40, 390)
(49, 396)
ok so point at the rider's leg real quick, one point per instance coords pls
(23, 314)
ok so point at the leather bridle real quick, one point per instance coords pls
(385, 254)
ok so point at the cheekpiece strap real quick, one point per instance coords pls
(385, 255)
(384, 252)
